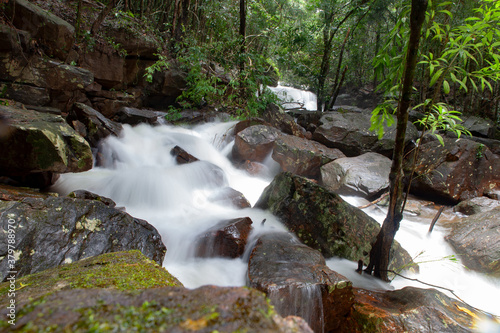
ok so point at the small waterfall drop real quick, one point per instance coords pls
(292, 98)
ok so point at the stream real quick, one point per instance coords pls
(140, 174)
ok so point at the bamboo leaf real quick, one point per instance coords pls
(435, 77)
(446, 87)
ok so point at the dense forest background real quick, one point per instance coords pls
(231, 50)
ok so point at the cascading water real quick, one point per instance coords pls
(139, 173)
(295, 98)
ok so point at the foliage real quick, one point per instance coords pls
(160, 65)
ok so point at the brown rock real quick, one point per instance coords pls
(229, 196)
(226, 239)
(254, 143)
(182, 156)
(282, 121)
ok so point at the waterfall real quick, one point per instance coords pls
(138, 172)
(292, 98)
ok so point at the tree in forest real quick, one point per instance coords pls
(380, 252)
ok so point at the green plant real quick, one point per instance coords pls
(160, 65)
(173, 114)
(480, 151)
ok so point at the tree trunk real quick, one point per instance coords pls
(243, 47)
(78, 20)
(380, 252)
(102, 15)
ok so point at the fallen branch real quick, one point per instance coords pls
(434, 220)
(375, 201)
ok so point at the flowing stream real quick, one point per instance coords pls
(140, 174)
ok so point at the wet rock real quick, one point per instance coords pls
(303, 157)
(350, 132)
(226, 239)
(408, 310)
(476, 205)
(167, 309)
(24, 93)
(56, 230)
(274, 115)
(53, 34)
(323, 220)
(478, 126)
(96, 126)
(254, 143)
(86, 195)
(249, 122)
(298, 282)
(39, 142)
(461, 169)
(366, 175)
(182, 156)
(126, 270)
(110, 102)
(475, 240)
(133, 116)
(229, 196)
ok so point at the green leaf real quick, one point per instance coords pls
(440, 139)
(446, 87)
(435, 77)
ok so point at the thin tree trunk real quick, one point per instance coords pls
(78, 20)
(102, 15)
(243, 47)
(380, 252)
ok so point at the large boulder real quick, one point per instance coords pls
(298, 282)
(53, 34)
(52, 231)
(274, 115)
(476, 205)
(475, 240)
(225, 239)
(254, 143)
(25, 93)
(303, 157)
(460, 169)
(39, 142)
(366, 175)
(134, 116)
(323, 220)
(164, 309)
(479, 126)
(106, 66)
(350, 132)
(408, 310)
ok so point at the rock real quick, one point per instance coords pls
(135, 46)
(107, 67)
(350, 132)
(475, 240)
(254, 143)
(249, 122)
(366, 175)
(53, 34)
(109, 102)
(47, 144)
(133, 116)
(44, 73)
(274, 115)
(182, 156)
(164, 309)
(226, 239)
(167, 85)
(476, 205)
(478, 126)
(52, 231)
(323, 221)
(493, 145)
(461, 169)
(86, 195)
(116, 270)
(13, 40)
(25, 93)
(97, 127)
(229, 196)
(408, 310)
(303, 157)
(298, 282)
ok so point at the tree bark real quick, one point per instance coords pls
(102, 15)
(380, 252)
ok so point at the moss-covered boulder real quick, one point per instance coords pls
(298, 282)
(51, 231)
(38, 142)
(408, 310)
(323, 220)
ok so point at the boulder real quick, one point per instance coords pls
(254, 143)
(25, 94)
(323, 220)
(366, 175)
(110, 102)
(52, 231)
(116, 270)
(303, 157)
(167, 85)
(107, 67)
(298, 282)
(476, 205)
(478, 126)
(182, 156)
(240, 126)
(40, 142)
(95, 126)
(44, 73)
(408, 310)
(13, 40)
(461, 169)
(274, 115)
(350, 132)
(136, 46)
(229, 196)
(226, 239)
(164, 309)
(133, 116)
(53, 34)
(475, 240)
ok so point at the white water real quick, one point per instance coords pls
(293, 98)
(140, 174)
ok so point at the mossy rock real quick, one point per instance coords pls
(127, 270)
